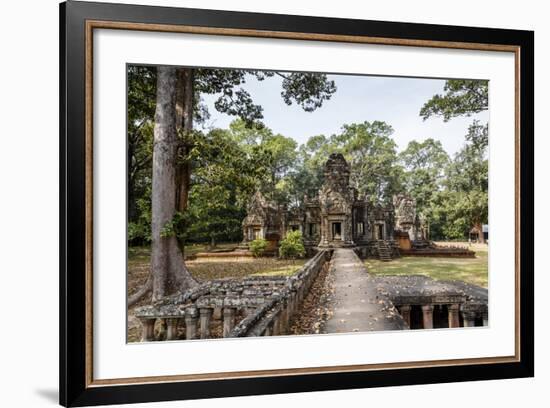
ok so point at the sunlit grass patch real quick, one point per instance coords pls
(470, 270)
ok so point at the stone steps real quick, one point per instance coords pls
(384, 251)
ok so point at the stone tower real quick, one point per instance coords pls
(336, 200)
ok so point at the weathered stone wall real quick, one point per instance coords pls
(465, 305)
(253, 306)
(274, 317)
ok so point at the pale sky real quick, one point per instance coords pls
(396, 101)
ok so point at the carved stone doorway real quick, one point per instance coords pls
(379, 231)
(336, 231)
(257, 233)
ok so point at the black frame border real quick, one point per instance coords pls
(72, 125)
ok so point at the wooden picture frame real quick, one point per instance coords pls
(78, 20)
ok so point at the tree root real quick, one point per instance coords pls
(141, 292)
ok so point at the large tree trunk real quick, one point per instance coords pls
(184, 126)
(167, 264)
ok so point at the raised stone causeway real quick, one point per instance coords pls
(265, 306)
(358, 305)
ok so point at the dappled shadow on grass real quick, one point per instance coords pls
(204, 269)
(241, 267)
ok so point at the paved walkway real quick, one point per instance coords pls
(359, 306)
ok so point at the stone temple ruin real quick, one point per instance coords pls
(339, 217)
(336, 224)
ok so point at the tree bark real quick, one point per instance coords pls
(167, 265)
(184, 125)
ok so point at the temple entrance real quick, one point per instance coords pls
(336, 231)
(257, 233)
(380, 231)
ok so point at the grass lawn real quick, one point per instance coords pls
(470, 270)
(211, 268)
(140, 254)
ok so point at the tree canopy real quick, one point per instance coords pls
(229, 165)
(462, 97)
(463, 202)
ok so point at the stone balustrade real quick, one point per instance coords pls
(253, 306)
(457, 306)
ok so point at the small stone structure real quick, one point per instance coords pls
(425, 303)
(253, 306)
(337, 217)
(264, 220)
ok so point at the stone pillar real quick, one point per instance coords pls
(324, 231)
(405, 311)
(205, 316)
(428, 316)
(292, 303)
(454, 319)
(280, 322)
(276, 322)
(228, 320)
(147, 329)
(172, 328)
(191, 320)
(286, 315)
(469, 319)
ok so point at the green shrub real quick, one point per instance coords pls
(292, 246)
(258, 246)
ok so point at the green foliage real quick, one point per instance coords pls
(272, 158)
(424, 166)
(372, 155)
(462, 98)
(222, 180)
(461, 199)
(370, 151)
(175, 227)
(308, 90)
(229, 165)
(226, 169)
(141, 110)
(139, 228)
(467, 180)
(292, 246)
(258, 246)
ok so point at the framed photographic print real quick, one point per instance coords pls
(256, 203)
